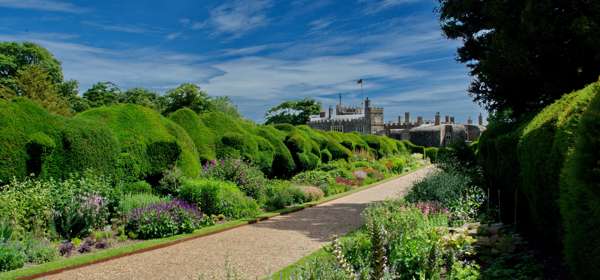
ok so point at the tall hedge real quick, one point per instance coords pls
(203, 137)
(149, 143)
(35, 141)
(542, 149)
(580, 196)
(532, 165)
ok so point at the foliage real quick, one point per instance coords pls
(446, 187)
(35, 83)
(102, 94)
(15, 57)
(171, 180)
(128, 202)
(37, 251)
(312, 193)
(281, 194)
(136, 187)
(164, 219)
(203, 137)
(218, 197)
(316, 178)
(517, 52)
(66, 248)
(246, 176)
(579, 197)
(10, 257)
(295, 112)
(141, 96)
(186, 96)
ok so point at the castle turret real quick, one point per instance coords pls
(330, 112)
(407, 118)
(437, 118)
(452, 119)
(469, 120)
(480, 119)
(419, 120)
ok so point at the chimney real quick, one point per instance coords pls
(330, 112)
(452, 119)
(367, 105)
(447, 119)
(480, 119)
(437, 118)
(407, 117)
(419, 120)
(469, 120)
(399, 119)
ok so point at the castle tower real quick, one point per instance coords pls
(330, 112)
(447, 119)
(452, 119)
(407, 118)
(437, 118)
(399, 119)
(469, 120)
(419, 120)
(480, 119)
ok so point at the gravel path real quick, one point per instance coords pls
(253, 251)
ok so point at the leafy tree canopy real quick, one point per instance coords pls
(36, 84)
(16, 56)
(223, 104)
(295, 112)
(524, 54)
(102, 94)
(141, 96)
(186, 96)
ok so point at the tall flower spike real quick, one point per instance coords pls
(341, 259)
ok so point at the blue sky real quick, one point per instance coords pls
(258, 52)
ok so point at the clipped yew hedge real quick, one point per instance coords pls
(533, 165)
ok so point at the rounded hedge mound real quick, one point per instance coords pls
(33, 141)
(149, 143)
(203, 137)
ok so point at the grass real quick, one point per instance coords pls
(143, 246)
(287, 271)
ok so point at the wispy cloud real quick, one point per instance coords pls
(320, 24)
(174, 35)
(374, 6)
(237, 17)
(43, 5)
(120, 28)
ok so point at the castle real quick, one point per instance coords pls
(369, 120)
(365, 119)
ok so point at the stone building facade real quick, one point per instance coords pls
(366, 119)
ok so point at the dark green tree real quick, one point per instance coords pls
(186, 96)
(102, 94)
(524, 54)
(295, 112)
(140, 96)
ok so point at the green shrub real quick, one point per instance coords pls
(431, 153)
(281, 194)
(317, 178)
(136, 187)
(10, 257)
(245, 175)
(132, 201)
(579, 196)
(27, 205)
(171, 180)
(312, 193)
(446, 187)
(38, 251)
(218, 197)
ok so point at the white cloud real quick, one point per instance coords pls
(320, 24)
(42, 5)
(236, 17)
(174, 35)
(151, 68)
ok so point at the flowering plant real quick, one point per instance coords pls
(164, 219)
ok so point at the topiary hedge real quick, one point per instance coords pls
(149, 143)
(580, 196)
(203, 137)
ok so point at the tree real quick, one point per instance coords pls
(140, 96)
(294, 112)
(15, 57)
(36, 84)
(524, 54)
(186, 96)
(103, 94)
(224, 104)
